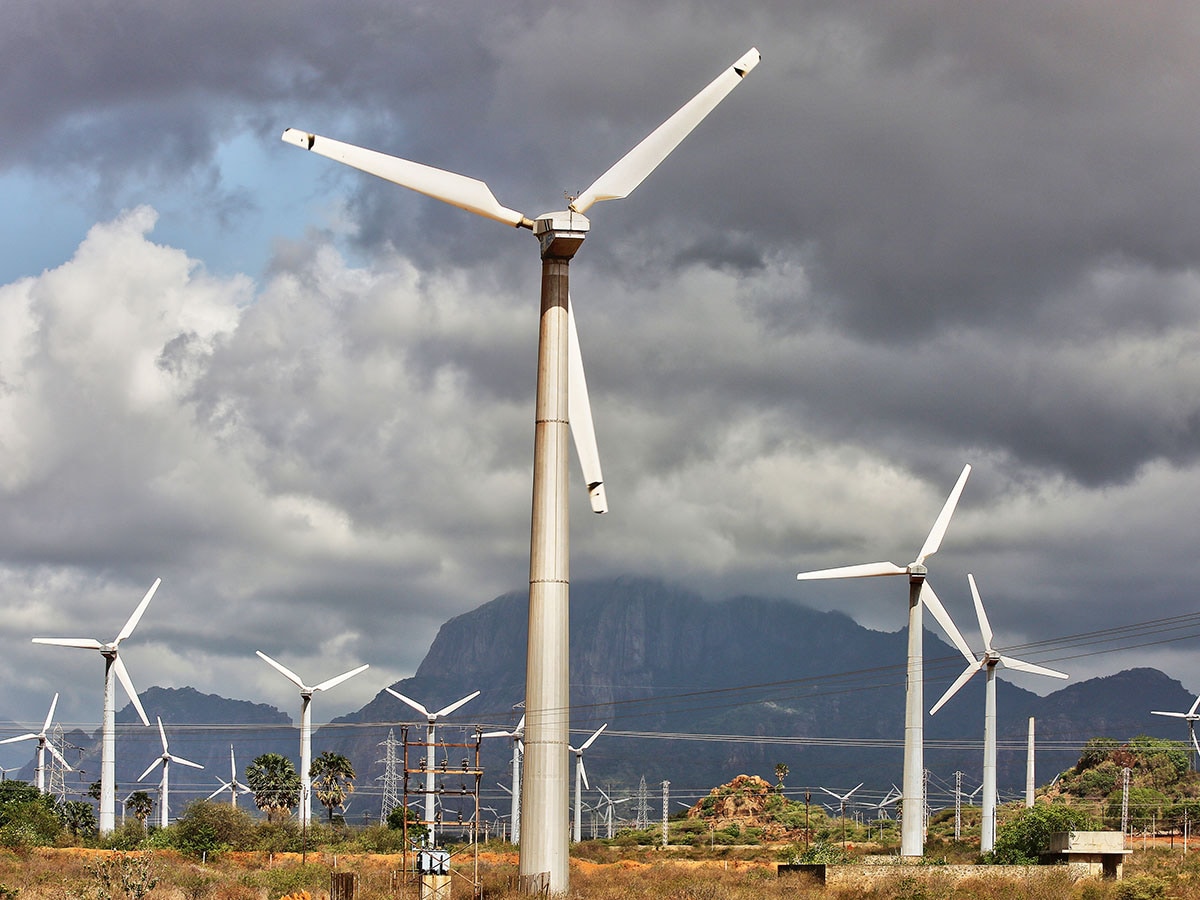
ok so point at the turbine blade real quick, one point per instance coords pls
(1177, 715)
(595, 735)
(866, 570)
(492, 734)
(161, 733)
(985, 627)
(446, 710)
(520, 729)
(831, 793)
(1192, 729)
(958, 683)
(81, 643)
(50, 715)
(22, 737)
(1192, 711)
(137, 613)
(852, 790)
(338, 679)
(934, 540)
(283, 670)
(579, 415)
(930, 599)
(466, 193)
(127, 683)
(54, 752)
(1022, 666)
(632, 169)
(224, 787)
(413, 703)
(151, 768)
(583, 774)
(186, 762)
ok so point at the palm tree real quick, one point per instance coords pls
(275, 784)
(332, 779)
(781, 772)
(78, 817)
(139, 804)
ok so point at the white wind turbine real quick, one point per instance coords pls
(108, 739)
(1191, 716)
(43, 745)
(842, 798)
(987, 661)
(581, 780)
(518, 741)
(560, 404)
(234, 786)
(430, 779)
(306, 694)
(912, 833)
(164, 785)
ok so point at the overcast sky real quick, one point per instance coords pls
(918, 235)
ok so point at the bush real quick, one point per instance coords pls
(1020, 840)
(1142, 887)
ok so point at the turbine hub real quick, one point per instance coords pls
(561, 233)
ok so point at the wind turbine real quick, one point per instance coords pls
(547, 695)
(108, 739)
(306, 694)
(234, 786)
(842, 798)
(1190, 717)
(912, 834)
(431, 719)
(581, 780)
(43, 746)
(987, 661)
(165, 761)
(518, 740)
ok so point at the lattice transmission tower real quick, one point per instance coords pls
(390, 776)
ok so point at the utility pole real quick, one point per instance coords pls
(666, 786)
(1029, 779)
(924, 804)
(1125, 800)
(958, 805)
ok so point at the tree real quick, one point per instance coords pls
(78, 817)
(1020, 840)
(395, 821)
(781, 772)
(332, 780)
(209, 828)
(275, 784)
(139, 804)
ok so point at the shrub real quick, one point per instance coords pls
(1020, 840)
(1141, 887)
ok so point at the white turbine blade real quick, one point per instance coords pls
(583, 774)
(579, 415)
(224, 787)
(54, 752)
(930, 599)
(338, 679)
(283, 670)
(466, 193)
(985, 627)
(595, 735)
(185, 762)
(446, 710)
(137, 613)
(158, 762)
(1022, 666)
(520, 729)
(866, 570)
(413, 703)
(1192, 711)
(492, 734)
(1195, 743)
(852, 790)
(81, 643)
(958, 683)
(632, 169)
(50, 715)
(934, 540)
(1153, 712)
(161, 733)
(23, 737)
(127, 683)
(831, 793)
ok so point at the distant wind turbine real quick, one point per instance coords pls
(108, 739)
(517, 735)
(581, 780)
(430, 779)
(234, 786)
(43, 745)
(987, 661)
(912, 832)
(306, 694)
(1190, 717)
(544, 853)
(842, 798)
(165, 761)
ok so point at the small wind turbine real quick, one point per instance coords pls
(43, 745)
(306, 693)
(912, 834)
(234, 786)
(581, 780)
(108, 740)
(165, 761)
(431, 719)
(987, 661)
(560, 234)
(1191, 716)
(517, 735)
(842, 798)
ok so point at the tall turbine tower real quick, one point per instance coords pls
(543, 858)
(306, 694)
(581, 781)
(108, 739)
(44, 744)
(912, 832)
(164, 785)
(517, 735)
(987, 661)
(430, 720)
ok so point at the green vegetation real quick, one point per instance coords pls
(276, 785)
(332, 780)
